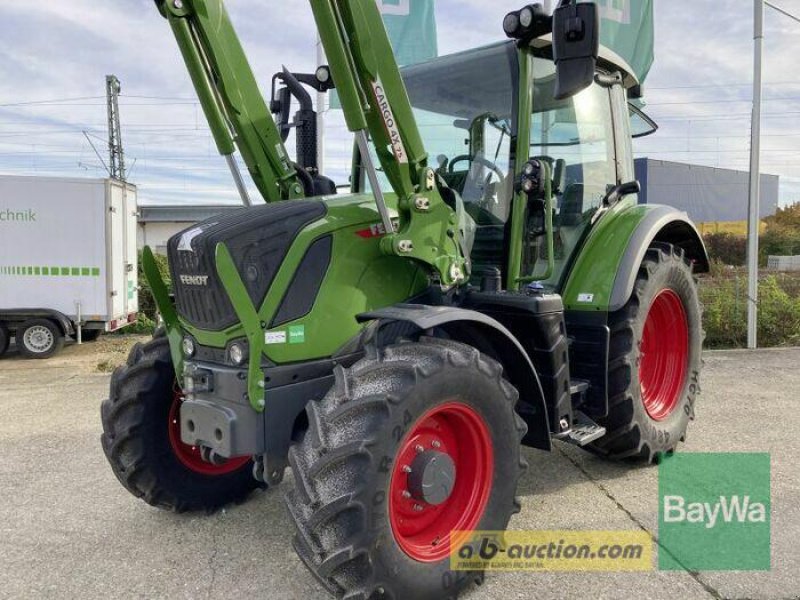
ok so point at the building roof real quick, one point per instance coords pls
(182, 213)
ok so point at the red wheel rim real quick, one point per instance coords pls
(189, 456)
(423, 530)
(664, 356)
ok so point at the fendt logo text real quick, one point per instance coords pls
(734, 509)
(194, 279)
(8, 215)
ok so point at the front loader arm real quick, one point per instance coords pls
(375, 101)
(230, 96)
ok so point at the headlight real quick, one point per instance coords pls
(323, 74)
(527, 185)
(511, 24)
(189, 347)
(526, 17)
(237, 354)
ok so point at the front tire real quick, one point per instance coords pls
(406, 447)
(141, 440)
(655, 360)
(39, 338)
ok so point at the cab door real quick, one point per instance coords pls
(576, 137)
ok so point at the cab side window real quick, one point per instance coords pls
(576, 137)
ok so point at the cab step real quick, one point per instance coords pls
(583, 430)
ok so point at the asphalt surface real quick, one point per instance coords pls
(69, 530)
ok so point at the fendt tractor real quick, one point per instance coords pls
(490, 282)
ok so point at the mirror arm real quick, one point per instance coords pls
(608, 81)
(614, 195)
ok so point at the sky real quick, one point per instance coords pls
(55, 54)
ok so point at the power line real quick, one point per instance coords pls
(54, 101)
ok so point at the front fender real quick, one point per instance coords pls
(491, 338)
(604, 272)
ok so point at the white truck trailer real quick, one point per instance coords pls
(68, 262)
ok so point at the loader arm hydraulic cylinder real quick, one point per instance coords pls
(229, 94)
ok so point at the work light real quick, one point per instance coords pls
(237, 353)
(189, 347)
(527, 23)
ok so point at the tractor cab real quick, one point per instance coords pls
(467, 108)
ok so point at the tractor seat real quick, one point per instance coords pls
(571, 214)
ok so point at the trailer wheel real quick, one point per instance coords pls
(5, 338)
(141, 440)
(403, 450)
(39, 338)
(655, 360)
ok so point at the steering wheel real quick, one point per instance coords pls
(477, 159)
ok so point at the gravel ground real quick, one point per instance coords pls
(69, 530)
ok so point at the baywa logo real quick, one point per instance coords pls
(728, 509)
(11, 215)
(714, 512)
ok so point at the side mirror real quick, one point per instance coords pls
(576, 44)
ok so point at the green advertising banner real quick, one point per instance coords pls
(412, 28)
(628, 29)
(411, 25)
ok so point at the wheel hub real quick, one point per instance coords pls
(664, 355)
(441, 480)
(432, 477)
(38, 338)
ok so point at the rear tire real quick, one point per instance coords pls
(654, 361)
(360, 529)
(139, 440)
(5, 339)
(39, 338)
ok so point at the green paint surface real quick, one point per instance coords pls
(598, 261)
(360, 278)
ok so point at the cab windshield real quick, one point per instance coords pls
(465, 108)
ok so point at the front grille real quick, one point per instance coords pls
(205, 306)
(258, 239)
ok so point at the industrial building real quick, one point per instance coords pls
(707, 194)
(159, 223)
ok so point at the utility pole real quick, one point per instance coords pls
(754, 211)
(753, 216)
(116, 154)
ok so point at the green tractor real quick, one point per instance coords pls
(490, 282)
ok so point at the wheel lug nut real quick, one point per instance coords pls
(419, 448)
(417, 508)
(406, 469)
(436, 444)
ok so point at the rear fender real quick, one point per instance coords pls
(481, 332)
(602, 278)
(663, 224)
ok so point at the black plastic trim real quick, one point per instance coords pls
(306, 283)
